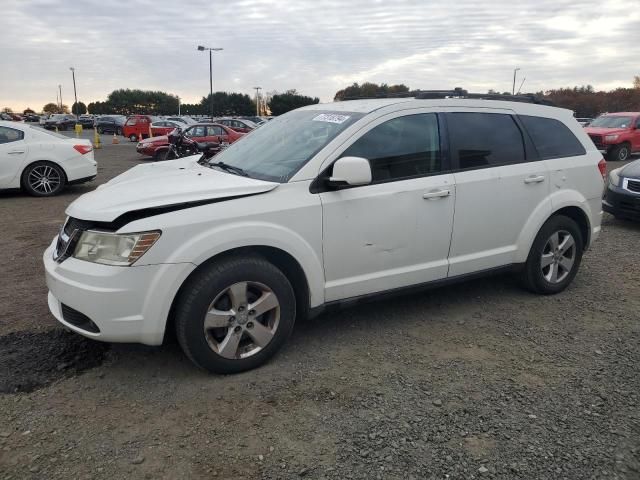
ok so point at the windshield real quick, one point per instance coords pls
(611, 121)
(278, 149)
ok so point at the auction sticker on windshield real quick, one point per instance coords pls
(331, 118)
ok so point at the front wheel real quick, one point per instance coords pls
(619, 153)
(99, 130)
(554, 257)
(133, 137)
(235, 314)
(118, 131)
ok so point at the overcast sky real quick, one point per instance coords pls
(315, 46)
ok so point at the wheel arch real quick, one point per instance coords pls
(283, 260)
(43, 160)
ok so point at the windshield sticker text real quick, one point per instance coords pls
(331, 118)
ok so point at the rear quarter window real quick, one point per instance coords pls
(551, 137)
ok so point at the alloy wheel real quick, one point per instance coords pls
(623, 154)
(558, 256)
(44, 179)
(242, 320)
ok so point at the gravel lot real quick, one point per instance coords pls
(478, 380)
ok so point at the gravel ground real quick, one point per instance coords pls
(478, 380)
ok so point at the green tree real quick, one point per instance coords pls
(128, 102)
(369, 89)
(28, 111)
(290, 100)
(225, 103)
(78, 108)
(636, 81)
(55, 108)
(7, 110)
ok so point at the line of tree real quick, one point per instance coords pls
(369, 89)
(588, 103)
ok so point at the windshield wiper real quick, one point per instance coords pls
(229, 168)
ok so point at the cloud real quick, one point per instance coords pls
(317, 47)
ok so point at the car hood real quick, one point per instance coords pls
(162, 184)
(604, 131)
(631, 170)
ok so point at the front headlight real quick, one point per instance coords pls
(610, 138)
(113, 248)
(614, 177)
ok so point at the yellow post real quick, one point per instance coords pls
(96, 139)
(78, 129)
(56, 129)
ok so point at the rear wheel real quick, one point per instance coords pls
(99, 130)
(133, 137)
(43, 179)
(619, 153)
(118, 131)
(554, 257)
(235, 314)
(159, 155)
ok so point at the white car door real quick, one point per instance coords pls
(500, 183)
(396, 231)
(13, 153)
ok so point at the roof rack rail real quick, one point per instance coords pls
(460, 93)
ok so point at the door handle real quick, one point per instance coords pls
(436, 194)
(534, 179)
(15, 152)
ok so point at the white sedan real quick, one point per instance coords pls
(40, 162)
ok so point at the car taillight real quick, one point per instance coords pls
(82, 149)
(602, 166)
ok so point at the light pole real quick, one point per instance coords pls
(257, 89)
(515, 71)
(75, 95)
(178, 106)
(202, 48)
(60, 88)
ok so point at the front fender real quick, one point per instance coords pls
(209, 243)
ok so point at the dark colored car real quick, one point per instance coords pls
(157, 147)
(31, 118)
(622, 197)
(86, 121)
(110, 124)
(239, 125)
(61, 121)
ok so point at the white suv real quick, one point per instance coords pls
(323, 206)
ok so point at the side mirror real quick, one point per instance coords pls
(351, 171)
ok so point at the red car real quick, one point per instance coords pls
(137, 126)
(616, 134)
(156, 147)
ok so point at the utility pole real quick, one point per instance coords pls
(515, 71)
(75, 95)
(178, 106)
(257, 89)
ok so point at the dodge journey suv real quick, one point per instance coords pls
(323, 206)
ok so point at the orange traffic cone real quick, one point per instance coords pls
(115, 140)
(140, 137)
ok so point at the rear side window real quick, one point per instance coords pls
(551, 137)
(8, 135)
(484, 139)
(403, 147)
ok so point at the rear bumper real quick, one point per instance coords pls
(621, 203)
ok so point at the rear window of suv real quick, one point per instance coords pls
(551, 137)
(481, 140)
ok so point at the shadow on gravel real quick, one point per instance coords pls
(29, 361)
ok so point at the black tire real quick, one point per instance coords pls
(206, 285)
(159, 155)
(619, 153)
(170, 155)
(118, 131)
(532, 276)
(99, 130)
(36, 167)
(133, 137)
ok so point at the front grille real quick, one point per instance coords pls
(633, 186)
(78, 319)
(597, 140)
